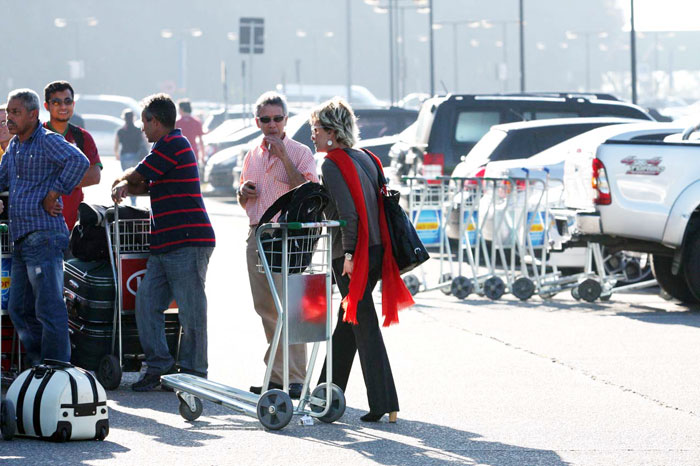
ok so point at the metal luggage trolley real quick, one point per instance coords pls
(129, 244)
(428, 204)
(11, 361)
(7, 409)
(296, 259)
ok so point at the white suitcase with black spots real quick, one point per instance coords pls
(58, 401)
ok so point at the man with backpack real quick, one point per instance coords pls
(59, 100)
(271, 169)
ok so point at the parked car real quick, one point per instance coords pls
(635, 267)
(103, 129)
(448, 127)
(217, 116)
(633, 193)
(219, 166)
(103, 104)
(375, 125)
(309, 94)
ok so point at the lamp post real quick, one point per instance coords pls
(397, 61)
(182, 34)
(477, 24)
(574, 35)
(633, 53)
(77, 65)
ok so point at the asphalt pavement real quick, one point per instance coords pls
(480, 382)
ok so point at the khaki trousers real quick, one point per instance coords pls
(265, 307)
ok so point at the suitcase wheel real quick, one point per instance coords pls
(7, 420)
(109, 372)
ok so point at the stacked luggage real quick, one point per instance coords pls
(94, 305)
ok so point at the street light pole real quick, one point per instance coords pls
(633, 53)
(522, 48)
(391, 52)
(348, 52)
(432, 52)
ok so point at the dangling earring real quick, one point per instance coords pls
(329, 143)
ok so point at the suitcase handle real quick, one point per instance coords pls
(56, 362)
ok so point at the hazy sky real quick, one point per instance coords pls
(663, 15)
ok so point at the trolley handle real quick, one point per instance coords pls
(300, 225)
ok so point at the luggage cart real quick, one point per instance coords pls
(7, 409)
(128, 241)
(296, 259)
(428, 207)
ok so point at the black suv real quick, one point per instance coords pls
(449, 126)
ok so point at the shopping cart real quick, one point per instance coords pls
(111, 348)
(296, 259)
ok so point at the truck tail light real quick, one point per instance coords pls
(433, 166)
(600, 184)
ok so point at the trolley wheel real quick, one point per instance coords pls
(8, 423)
(337, 402)
(109, 372)
(606, 297)
(494, 288)
(575, 294)
(187, 411)
(447, 289)
(63, 435)
(275, 409)
(461, 287)
(589, 290)
(412, 283)
(523, 288)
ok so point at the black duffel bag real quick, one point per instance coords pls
(305, 203)
(88, 240)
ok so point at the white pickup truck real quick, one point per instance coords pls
(633, 190)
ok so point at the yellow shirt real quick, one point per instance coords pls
(2, 152)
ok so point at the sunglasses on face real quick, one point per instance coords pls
(267, 119)
(57, 102)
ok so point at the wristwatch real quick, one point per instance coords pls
(348, 256)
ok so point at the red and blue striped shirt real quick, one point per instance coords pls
(178, 216)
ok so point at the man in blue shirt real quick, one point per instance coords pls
(38, 167)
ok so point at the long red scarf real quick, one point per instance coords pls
(395, 295)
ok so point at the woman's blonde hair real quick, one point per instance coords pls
(337, 115)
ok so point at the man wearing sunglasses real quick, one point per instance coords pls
(270, 169)
(59, 101)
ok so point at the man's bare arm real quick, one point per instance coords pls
(92, 176)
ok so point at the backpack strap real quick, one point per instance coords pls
(77, 136)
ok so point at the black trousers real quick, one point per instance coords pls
(365, 338)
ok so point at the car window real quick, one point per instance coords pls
(472, 125)
(546, 115)
(486, 146)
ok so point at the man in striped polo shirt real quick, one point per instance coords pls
(182, 241)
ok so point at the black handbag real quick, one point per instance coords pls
(407, 248)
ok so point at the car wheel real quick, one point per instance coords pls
(674, 285)
(691, 267)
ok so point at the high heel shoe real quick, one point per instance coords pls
(375, 417)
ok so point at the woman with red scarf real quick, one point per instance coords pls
(361, 256)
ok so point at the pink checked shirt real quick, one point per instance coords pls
(270, 177)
